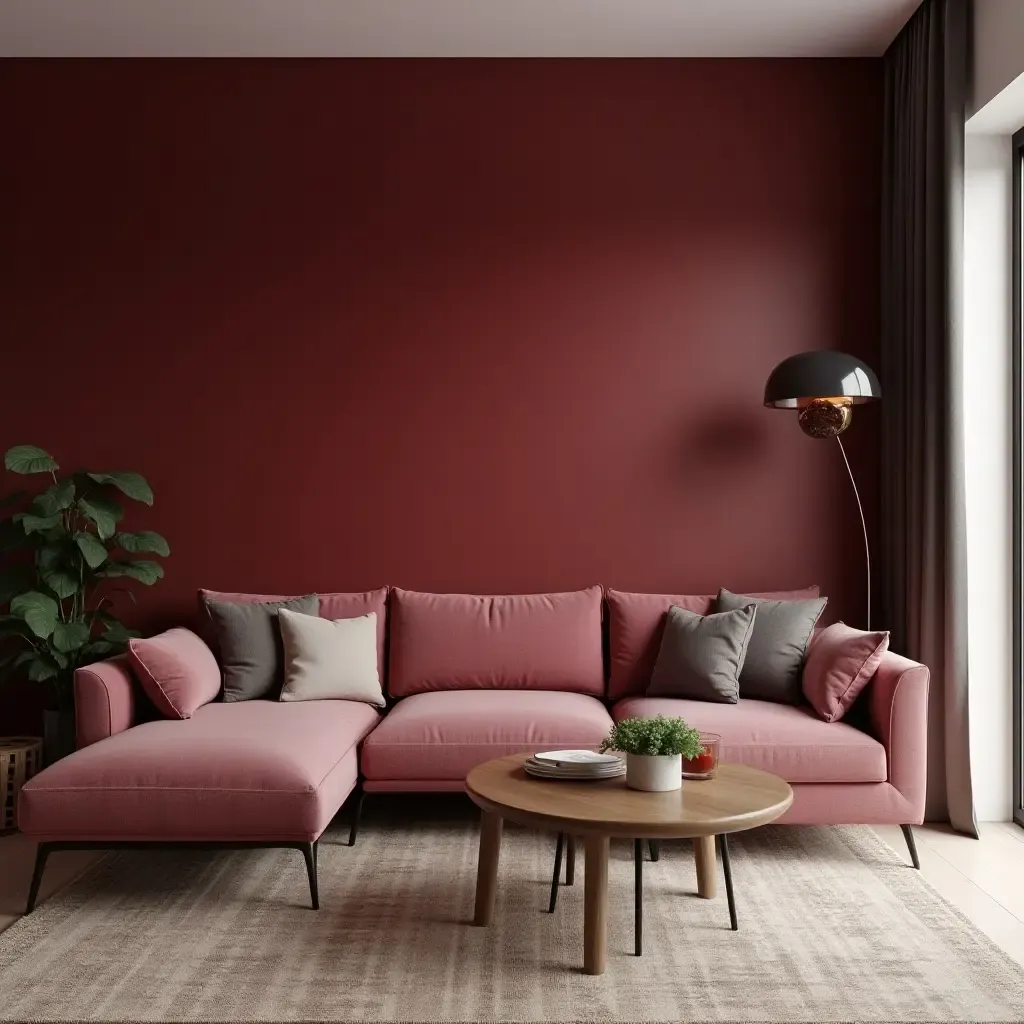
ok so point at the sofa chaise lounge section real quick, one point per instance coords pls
(259, 773)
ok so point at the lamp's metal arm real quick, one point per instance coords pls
(863, 526)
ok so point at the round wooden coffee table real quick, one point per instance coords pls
(738, 798)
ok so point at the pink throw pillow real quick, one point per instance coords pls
(839, 664)
(177, 670)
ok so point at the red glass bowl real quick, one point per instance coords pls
(704, 765)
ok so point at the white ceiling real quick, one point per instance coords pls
(443, 28)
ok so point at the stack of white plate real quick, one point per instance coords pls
(574, 764)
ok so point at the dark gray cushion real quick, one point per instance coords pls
(701, 656)
(249, 641)
(775, 656)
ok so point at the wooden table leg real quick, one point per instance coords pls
(707, 866)
(595, 904)
(487, 868)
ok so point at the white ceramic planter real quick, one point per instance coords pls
(657, 774)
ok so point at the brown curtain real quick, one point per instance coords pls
(924, 565)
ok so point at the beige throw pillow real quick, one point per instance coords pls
(330, 659)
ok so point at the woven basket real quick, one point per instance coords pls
(20, 758)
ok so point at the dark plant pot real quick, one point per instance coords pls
(58, 734)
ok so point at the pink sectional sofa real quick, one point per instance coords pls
(468, 679)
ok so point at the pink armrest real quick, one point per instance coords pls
(104, 700)
(898, 701)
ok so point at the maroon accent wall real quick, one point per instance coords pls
(478, 325)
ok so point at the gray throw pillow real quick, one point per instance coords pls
(249, 641)
(701, 656)
(775, 656)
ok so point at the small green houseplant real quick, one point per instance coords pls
(654, 749)
(64, 556)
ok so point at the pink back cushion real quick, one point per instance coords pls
(177, 670)
(525, 641)
(332, 606)
(635, 625)
(840, 663)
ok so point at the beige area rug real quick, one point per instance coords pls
(833, 927)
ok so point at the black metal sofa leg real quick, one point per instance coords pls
(309, 853)
(357, 813)
(570, 860)
(308, 850)
(655, 847)
(908, 834)
(42, 852)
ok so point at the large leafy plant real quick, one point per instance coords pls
(654, 736)
(66, 556)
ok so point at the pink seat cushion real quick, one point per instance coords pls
(441, 736)
(521, 642)
(332, 606)
(258, 770)
(788, 741)
(177, 670)
(636, 623)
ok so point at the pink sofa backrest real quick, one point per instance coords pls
(332, 606)
(636, 623)
(523, 641)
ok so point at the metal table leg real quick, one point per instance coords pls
(723, 842)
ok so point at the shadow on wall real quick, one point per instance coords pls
(721, 443)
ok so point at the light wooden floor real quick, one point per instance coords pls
(983, 878)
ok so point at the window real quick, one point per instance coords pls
(1017, 271)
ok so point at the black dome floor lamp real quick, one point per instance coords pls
(824, 387)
